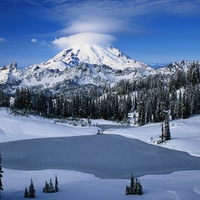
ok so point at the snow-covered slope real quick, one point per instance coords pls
(10, 74)
(173, 67)
(181, 185)
(94, 54)
(85, 64)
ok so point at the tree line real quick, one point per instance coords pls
(149, 98)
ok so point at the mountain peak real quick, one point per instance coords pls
(94, 54)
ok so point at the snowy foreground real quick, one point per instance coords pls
(75, 185)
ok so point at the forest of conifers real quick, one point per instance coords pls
(148, 97)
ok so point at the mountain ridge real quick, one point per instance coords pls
(81, 65)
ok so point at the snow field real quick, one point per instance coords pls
(18, 128)
(73, 185)
(80, 186)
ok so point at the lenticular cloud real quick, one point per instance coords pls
(82, 38)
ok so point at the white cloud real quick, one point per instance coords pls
(92, 21)
(82, 38)
(102, 25)
(2, 39)
(33, 40)
(115, 17)
(88, 16)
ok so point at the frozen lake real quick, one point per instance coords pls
(105, 156)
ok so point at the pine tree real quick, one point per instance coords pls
(56, 184)
(51, 187)
(127, 190)
(17, 99)
(148, 111)
(132, 184)
(167, 134)
(178, 106)
(135, 187)
(141, 109)
(26, 193)
(186, 107)
(139, 189)
(27, 99)
(1, 98)
(31, 190)
(162, 136)
(50, 105)
(1, 171)
(46, 187)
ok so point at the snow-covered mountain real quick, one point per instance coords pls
(173, 67)
(80, 65)
(93, 54)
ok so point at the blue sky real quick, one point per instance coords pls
(151, 31)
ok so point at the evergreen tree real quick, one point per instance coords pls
(141, 109)
(132, 184)
(139, 189)
(1, 171)
(162, 136)
(56, 184)
(27, 99)
(26, 193)
(148, 111)
(127, 192)
(17, 97)
(186, 107)
(51, 187)
(22, 98)
(167, 134)
(173, 100)
(116, 107)
(178, 106)
(42, 104)
(1, 98)
(135, 187)
(31, 190)
(46, 187)
(50, 105)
